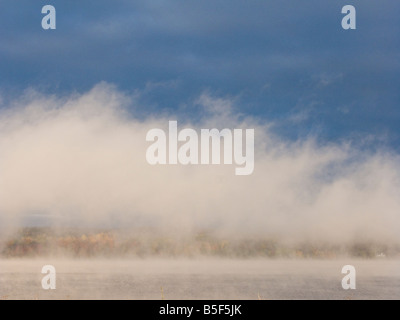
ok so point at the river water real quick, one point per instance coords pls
(199, 279)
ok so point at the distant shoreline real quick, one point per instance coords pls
(81, 243)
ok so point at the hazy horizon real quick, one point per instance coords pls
(80, 160)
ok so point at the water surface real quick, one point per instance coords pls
(200, 279)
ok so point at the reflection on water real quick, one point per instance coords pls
(200, 279)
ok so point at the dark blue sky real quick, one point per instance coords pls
(285, 61)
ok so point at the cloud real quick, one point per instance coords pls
(80, 159)
(327, 79)
(233, 47)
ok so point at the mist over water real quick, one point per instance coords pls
(75, 188)
(79, 161)
(199, 279)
